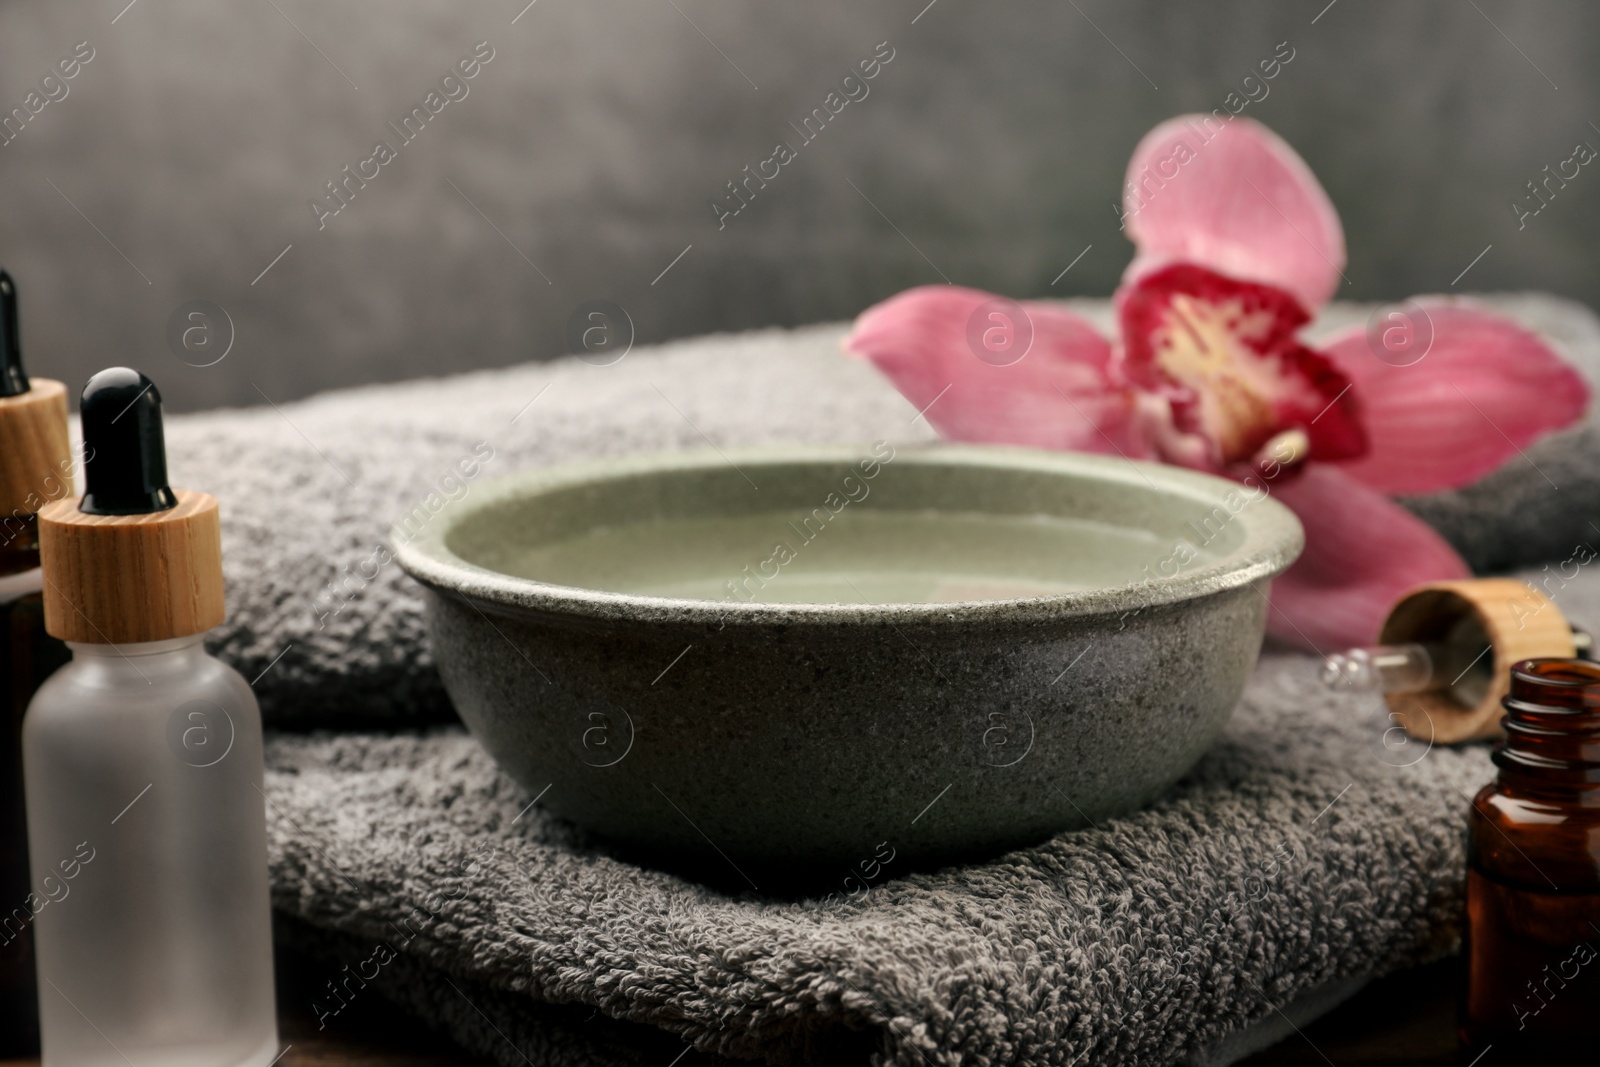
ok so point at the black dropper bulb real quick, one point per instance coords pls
(125, 454)
(13, 379)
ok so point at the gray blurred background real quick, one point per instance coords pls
(181, 161)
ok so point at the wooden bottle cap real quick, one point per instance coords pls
(1515, 621)
(35, 449)
(111, 579)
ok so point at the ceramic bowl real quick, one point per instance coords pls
(816, 665)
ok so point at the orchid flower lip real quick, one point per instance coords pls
(1241, 387)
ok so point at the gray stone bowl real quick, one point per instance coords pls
(793, 746)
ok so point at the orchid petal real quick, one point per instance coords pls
(1363, 551)
(1044, 378)
(1483, 391)
(1229, 194)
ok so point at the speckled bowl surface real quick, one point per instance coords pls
(630, 642)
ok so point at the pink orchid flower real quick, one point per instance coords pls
(1237, 245)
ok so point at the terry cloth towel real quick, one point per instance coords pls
(1310, 849)
(1300, 857)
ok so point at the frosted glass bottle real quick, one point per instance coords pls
(146, 816)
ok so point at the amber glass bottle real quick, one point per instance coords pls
(28, 656)
(1532, 947)
(35, 468)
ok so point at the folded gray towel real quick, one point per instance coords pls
(332, 630)
(310, 489)
(1302, 855)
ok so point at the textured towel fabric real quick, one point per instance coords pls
(1310, 849)
(309, 489)
(1301, 854)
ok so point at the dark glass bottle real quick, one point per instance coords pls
(1532, 946)
(28, 656)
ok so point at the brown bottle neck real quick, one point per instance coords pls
(1552, 729)
(19, 544)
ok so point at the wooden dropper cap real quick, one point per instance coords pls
(133, 560)
(1507, 619)
(35, 448)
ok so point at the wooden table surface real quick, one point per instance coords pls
(1405, 1019)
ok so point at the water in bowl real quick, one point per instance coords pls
(861, 555)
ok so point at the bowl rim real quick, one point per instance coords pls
(1272, 539)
